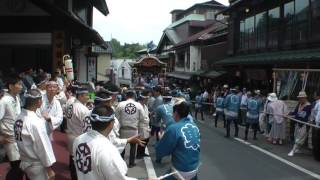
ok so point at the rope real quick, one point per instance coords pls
(285, 116)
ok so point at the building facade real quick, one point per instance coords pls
(271, 34)
(37, 33)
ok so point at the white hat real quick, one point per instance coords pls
(225, 86)
(257, 92)
(272, 97)
(302, 94)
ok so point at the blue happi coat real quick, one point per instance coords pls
(253, 108)
(164, 113)
(157, 102)
(219, 104)
(232, 105)
(182, 142)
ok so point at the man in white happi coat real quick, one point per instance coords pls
(78, 122)
(35, 148)
(95, 156)
(105, 99)
(51, 108)
(144, 126)
(9, 110)
(130, 114)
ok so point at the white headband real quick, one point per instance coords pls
(96, 117)
(52, 83)
(81, 91)
(27, 95)
(102, 99)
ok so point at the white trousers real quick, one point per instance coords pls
(34, 170)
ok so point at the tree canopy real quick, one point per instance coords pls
(127, 50)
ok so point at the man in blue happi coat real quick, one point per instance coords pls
(182, 141)
(232, 107)
(219, 109)
(164, 112)
(253, 111)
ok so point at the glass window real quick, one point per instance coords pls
(242, 35)
(274, 21)
(261, 30)
(288, 23)
(250, 40)
(315, 8)
(180, 61)
(301, 14)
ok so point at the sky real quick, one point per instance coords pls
(138, 21)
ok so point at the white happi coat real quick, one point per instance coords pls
(144, 128)
(78, 121)
(114, 137)
(34, 145)
(97, 158)
(129, 113)
(10, 108)
(54, 111)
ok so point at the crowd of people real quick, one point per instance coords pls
(265, 114)
(35, 105)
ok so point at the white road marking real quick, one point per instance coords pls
(280, 159)
(149, 166)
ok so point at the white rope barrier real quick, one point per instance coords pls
(285, 116)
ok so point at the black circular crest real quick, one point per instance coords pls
(18, 129)
(130, 109)
(69, 111)
(83, 158)
(86, 124)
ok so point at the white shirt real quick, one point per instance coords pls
(97, 158)
(144, 129)
(32, 139)
(316, 111)
(244, 99)
(54, 111)
(9, 110)
(114, 137)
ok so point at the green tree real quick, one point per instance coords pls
(127, 50)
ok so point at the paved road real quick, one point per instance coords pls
(228, 159)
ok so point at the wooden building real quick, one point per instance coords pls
(271, 34)
(37, 33)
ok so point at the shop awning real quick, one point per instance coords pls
(180, 75)
(72, 23)
(280, 57)
(213, 74)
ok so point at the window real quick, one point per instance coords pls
(188, 60)
(242, 43)
(315, 8)
(180, 60)
(210, 14)
(288, 23)
(80, 9)
(250, 40)
(261, 30)
(274, 22)
(301, 14)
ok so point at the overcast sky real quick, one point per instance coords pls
(140, 21)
